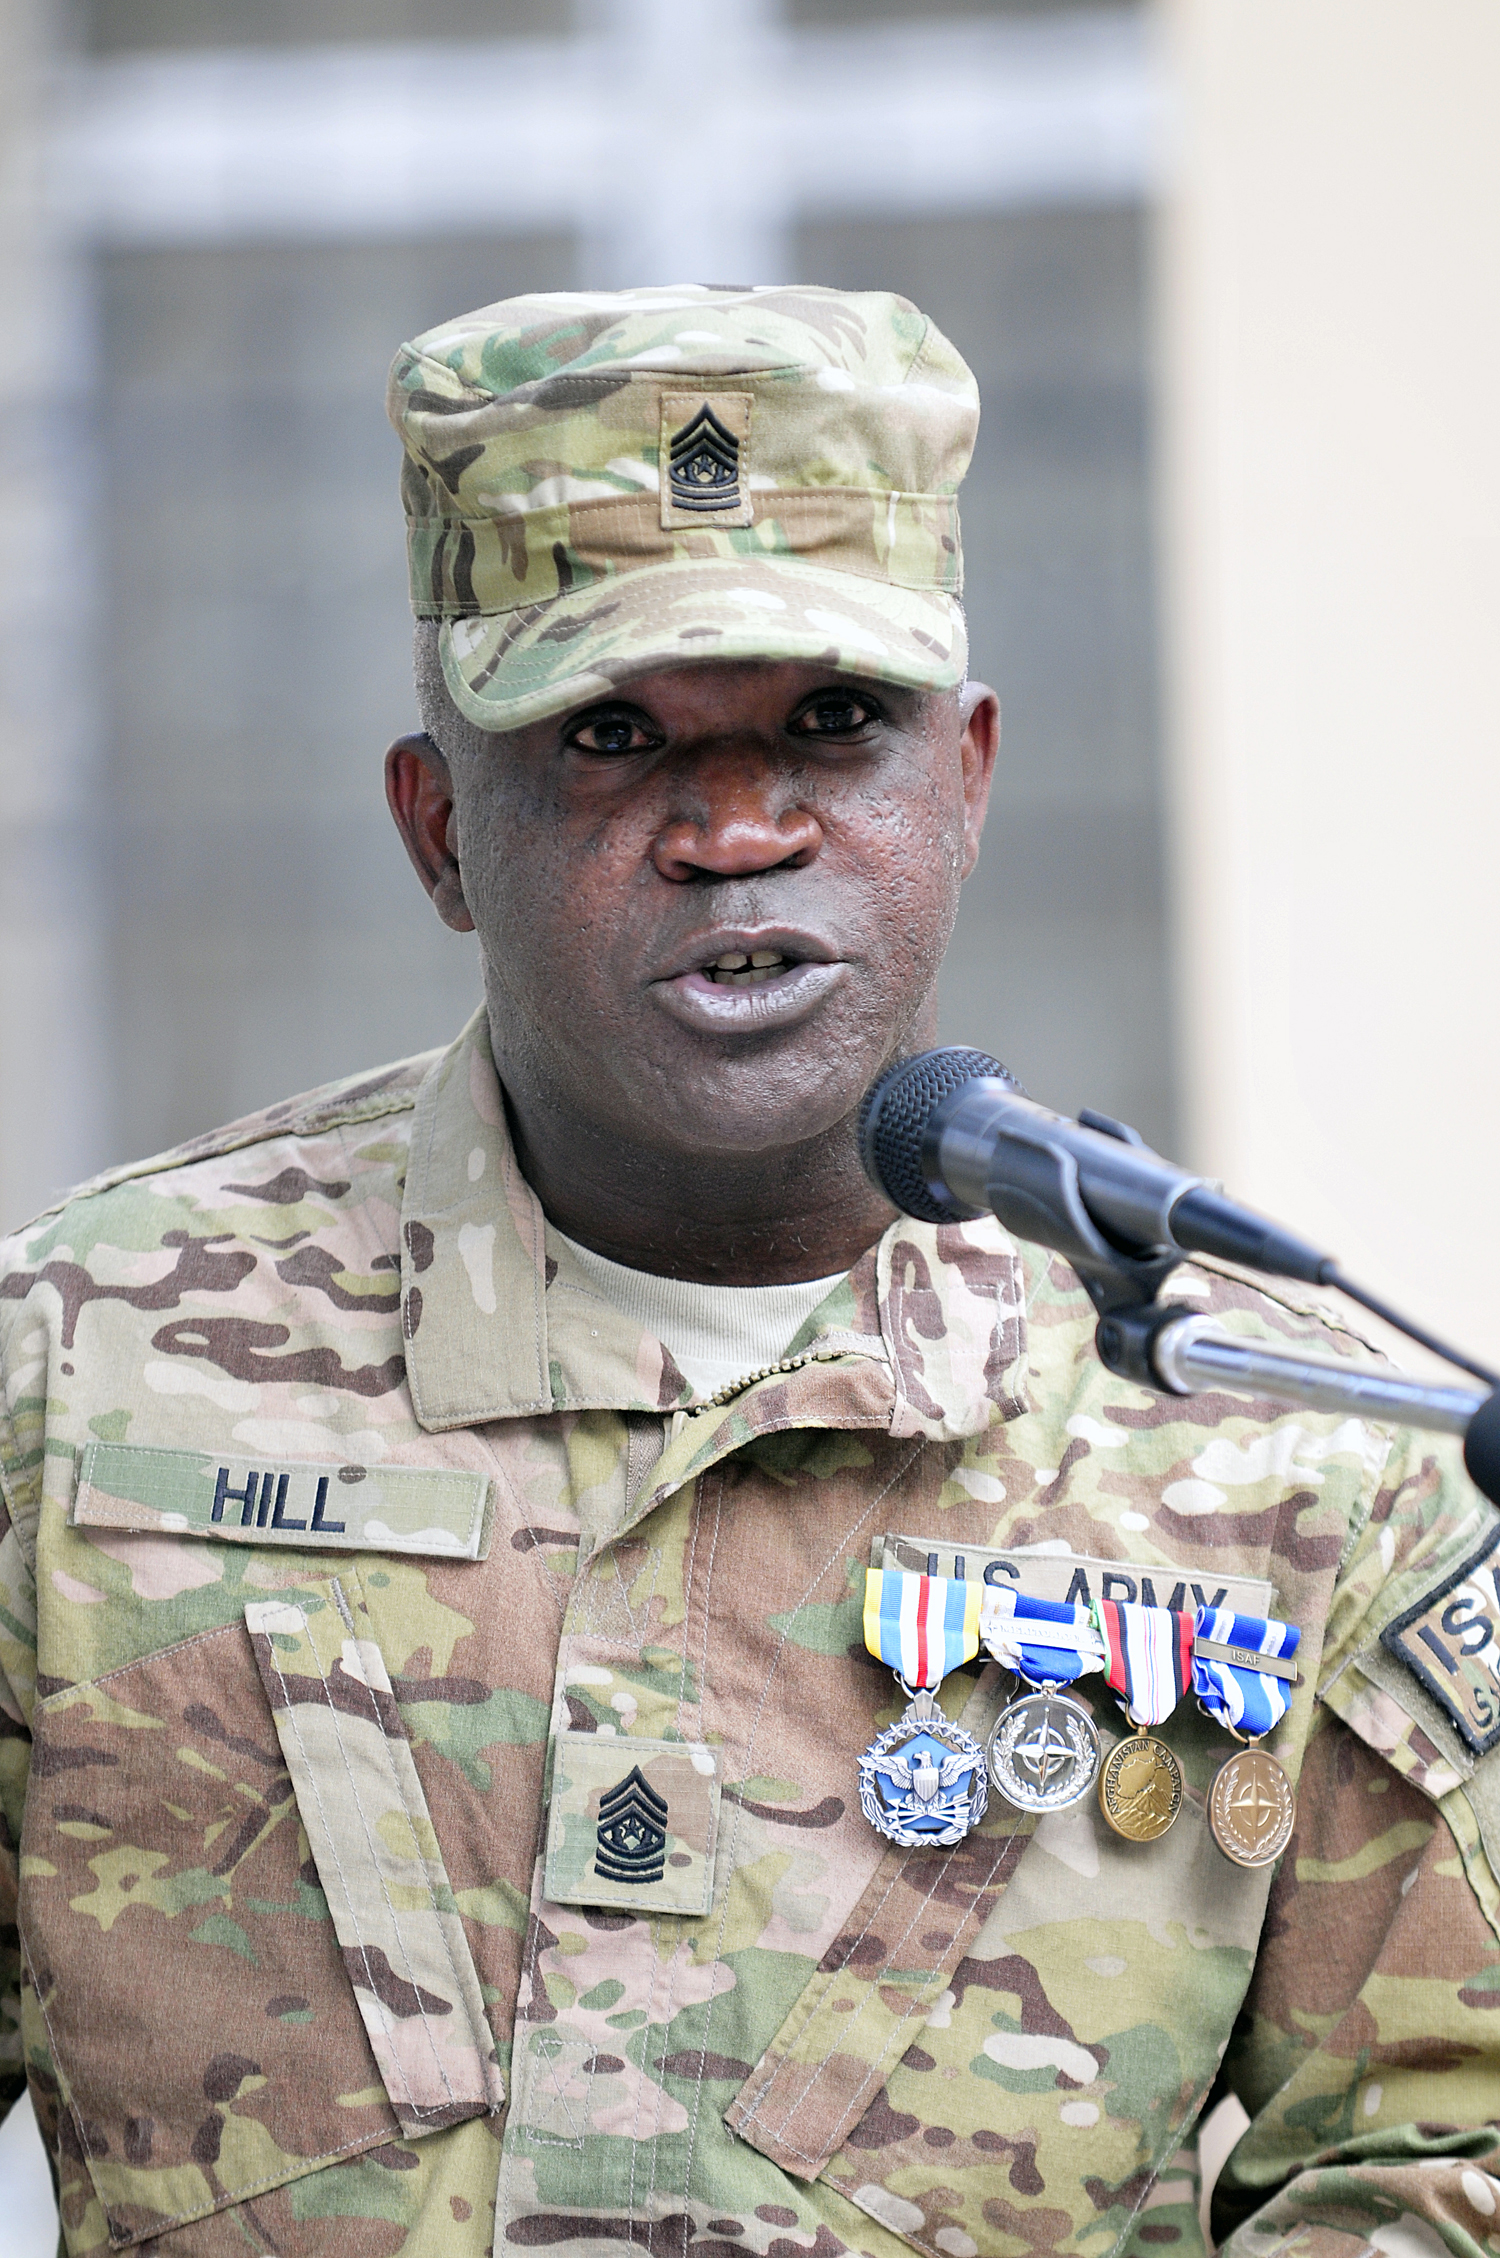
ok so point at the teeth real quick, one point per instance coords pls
(737, 970)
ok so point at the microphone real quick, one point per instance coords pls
(950, 1134)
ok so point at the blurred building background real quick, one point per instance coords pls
(1227, 272)
(213, 908)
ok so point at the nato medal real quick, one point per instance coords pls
(1251, 1808)
(922, 1781)
(1044, 1753)
(1140, 1788)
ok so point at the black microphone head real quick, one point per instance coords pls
(893, 1125)
(1482, 1447)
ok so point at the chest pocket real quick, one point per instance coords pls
(228, 1851)
(1017, 2032)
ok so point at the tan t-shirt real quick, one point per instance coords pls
(716, 1333)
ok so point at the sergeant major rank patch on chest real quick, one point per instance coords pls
(705, 440)
(633, 1823)
(1450, 1641)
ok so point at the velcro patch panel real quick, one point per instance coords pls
(632, 1824)
(1450, 1641)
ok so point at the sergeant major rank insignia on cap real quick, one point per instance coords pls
(704, 472)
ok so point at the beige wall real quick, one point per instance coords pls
(1330, 317)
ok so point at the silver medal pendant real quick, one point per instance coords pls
(1044, 1753)
(922, 1781)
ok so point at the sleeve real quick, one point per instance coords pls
(17, 1695)
(1367, 2055)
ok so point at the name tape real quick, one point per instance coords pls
(296, 1502)
(1077, 1578)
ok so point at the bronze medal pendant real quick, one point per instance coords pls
(1149, 1663)
(1251, 1808)
(1140, 1788)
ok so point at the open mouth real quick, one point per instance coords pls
(736, 969)
(749, 984)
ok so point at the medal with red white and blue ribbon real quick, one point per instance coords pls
(1149, 1664)
(1243, 1676)
(922, 1781)
(1149, 1657)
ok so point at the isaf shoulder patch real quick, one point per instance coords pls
(1450, 1641)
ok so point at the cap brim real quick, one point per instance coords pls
(507, 669)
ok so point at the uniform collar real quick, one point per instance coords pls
(926, 1336)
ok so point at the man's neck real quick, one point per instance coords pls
(760, 1219)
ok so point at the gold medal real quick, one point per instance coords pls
(1140, 1788)
(1251, 1808)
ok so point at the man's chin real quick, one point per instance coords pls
(750, 1104)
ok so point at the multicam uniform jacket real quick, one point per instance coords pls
(361, 1566)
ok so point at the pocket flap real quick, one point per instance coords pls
(377, 1856)
(896, 1954)
(199, 2021)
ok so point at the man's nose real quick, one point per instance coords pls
(735, 814)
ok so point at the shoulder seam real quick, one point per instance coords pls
(238, 1136)
(1330, 1320)
(920, 355)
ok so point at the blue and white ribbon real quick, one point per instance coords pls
(1243, 1672)
(1045, 1641)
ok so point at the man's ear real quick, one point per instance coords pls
(419, 793)
(979, 712)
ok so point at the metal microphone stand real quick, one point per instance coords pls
(1182, 1352)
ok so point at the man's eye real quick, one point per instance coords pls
(611, 733)
(837, 713)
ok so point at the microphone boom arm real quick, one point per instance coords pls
(949, 1135)
(1183, 1353)
(1030, 1181)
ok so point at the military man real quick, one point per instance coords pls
(458, 1792)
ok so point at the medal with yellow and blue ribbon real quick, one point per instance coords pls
(1243, 1676)
(922, 1781)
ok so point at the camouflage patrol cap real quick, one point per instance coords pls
(600, 484)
